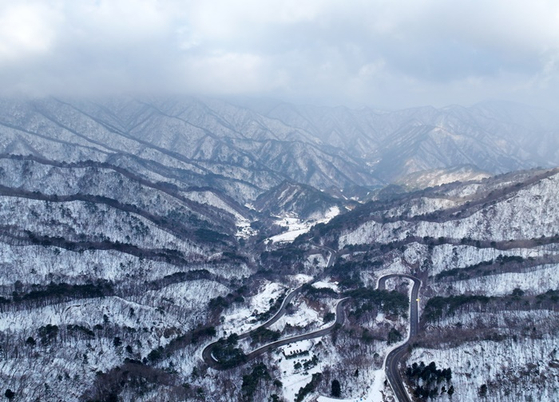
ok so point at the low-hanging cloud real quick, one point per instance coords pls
(383, 53)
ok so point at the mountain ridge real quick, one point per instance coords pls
(321, 147)
(136, 231)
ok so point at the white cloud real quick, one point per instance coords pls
(223, 19)
(119, 21)
(230, 73)
(25, 30)
(381, 52)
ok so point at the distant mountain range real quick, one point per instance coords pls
(245, 149)
(494, 136)
(135, 231)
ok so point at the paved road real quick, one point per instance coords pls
(340, 318)
(280, 312)
(392, 362)
(207, 352)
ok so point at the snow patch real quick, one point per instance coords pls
(295, 379)
(244, 230)
(300, 279)
(374, 393)
(297, 227)
(303, 316)
(240, 320)
(329, 285)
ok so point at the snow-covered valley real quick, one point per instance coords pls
(130, 241)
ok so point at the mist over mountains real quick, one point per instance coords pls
(138, 232)
(207, 142)
(188, 211)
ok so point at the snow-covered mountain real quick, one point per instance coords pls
(296, 199)
(492, 136)
(436, 177)
(187, 142)
(245, 150)
(487, 253)
(133, 232)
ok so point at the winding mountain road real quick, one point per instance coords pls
(207, 352)
(340, 318)
(391, 362)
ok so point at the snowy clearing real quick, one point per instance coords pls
(297, 227)
(374, 393)
(329, 285)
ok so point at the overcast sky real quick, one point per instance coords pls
(381, 53)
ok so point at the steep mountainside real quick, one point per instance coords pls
(136, 232)
(92, 209)
(487, 253)
(436, 177)
(245, 150)
(493, 136)
(101, 269)
(181, 141)
(296, 199)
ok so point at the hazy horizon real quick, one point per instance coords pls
(384, 55)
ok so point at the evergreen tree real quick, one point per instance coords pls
(451, 390)
(336, 389)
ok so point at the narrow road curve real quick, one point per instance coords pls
(392, 360)
(279, 313)
(207, 352)
(340, 318)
